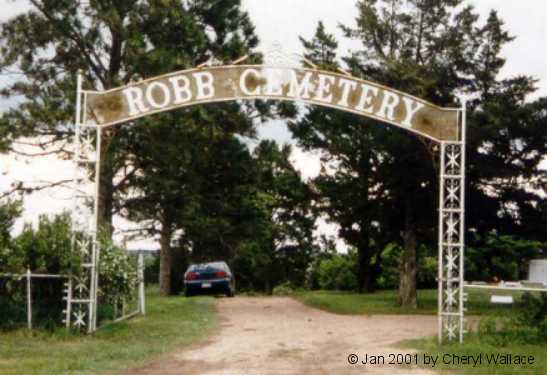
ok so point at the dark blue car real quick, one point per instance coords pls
(209, 278)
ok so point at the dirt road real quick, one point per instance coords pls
(278, 336)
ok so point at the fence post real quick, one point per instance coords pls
(29, 301)
(142, 307)
(68, 311)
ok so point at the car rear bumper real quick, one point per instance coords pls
(208, 286)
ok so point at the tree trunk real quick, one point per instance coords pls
(365, 273)
(366, 269)
(106, 185)
(366, 278)
(408, 266)
(165, 259)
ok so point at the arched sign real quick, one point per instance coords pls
(247, 82)
(97, 110)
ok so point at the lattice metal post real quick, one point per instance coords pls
(451, 296)
(82, 299)
(68, 298)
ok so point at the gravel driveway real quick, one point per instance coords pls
(278, 335)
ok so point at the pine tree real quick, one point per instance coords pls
(434, 50)
(346, 144)
(112, 43)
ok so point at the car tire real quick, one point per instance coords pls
(230, 293)
(187, 293)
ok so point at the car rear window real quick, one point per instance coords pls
(208, 266)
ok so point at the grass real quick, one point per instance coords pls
(385, 302)
(475, 345)
(170, 323)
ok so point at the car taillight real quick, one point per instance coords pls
(191, 276)
(221, 274)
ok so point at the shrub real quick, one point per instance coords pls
(391, 257)
(500, 255)
(283, 289)
(533, 316)
(427, 272)
(151, 269)
(9, 212)
(44, 249)
(117, 272)
(47, 249)
(529, 325)
(312, 274)
(338, 272)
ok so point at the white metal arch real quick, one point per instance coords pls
(447, 126)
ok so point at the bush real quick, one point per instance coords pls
(527, 326)
(503, 256)
(117, 273)
(391, 257)
(338, 272)
(312, 274)
(9, 212)
(151, 269)
(533, 317)
(48, 249)
(283, 289)
(427, 272)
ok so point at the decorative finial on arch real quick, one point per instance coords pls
(276, 56)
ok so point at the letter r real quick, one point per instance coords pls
(134, 97)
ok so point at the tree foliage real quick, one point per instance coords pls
(111, 43)
(190, 181)
(380, 183)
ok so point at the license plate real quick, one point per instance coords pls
(206, 285)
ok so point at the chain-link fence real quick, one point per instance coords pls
(31, 300)
(34, 300)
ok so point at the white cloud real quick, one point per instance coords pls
(37, 171)
(307, 163)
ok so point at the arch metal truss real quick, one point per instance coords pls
(98, 110)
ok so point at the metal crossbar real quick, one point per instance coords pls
(511, 288)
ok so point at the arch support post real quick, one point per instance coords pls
(81, 296)
(451, 295)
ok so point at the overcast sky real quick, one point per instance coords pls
(283, 21)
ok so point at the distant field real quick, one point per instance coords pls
(169, 324)
(385, 302)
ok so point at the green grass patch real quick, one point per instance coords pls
(170, 323)
(385, 302)
(480, 347)
(475, 344)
